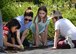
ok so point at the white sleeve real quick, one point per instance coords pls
(57, 26)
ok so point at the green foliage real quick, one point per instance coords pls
(14, 9)
(51, 30)
(11, 9)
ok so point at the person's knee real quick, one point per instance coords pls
(60, 42)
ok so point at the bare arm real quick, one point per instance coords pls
(18, 37)
(37, 41)
(19, 40)
(24, 35)
(36, 28)
(56, 38)
(46, 30)
(7, 43)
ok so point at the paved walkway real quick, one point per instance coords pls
(46, 51)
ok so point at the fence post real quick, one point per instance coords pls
(1, 31)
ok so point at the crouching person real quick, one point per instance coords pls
(9, 34)
(64, 28)
(25, 22)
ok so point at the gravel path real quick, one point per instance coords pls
(46, 51)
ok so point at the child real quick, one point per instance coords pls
(25, 22)
(40, 26)
(64, 28)
(9, 34)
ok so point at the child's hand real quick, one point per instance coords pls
(21, 47)
(53, 48)
(17, 46)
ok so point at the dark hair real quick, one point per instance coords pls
(57, 18)
(45, 10)
(28, 14)
(13, 23)
(29, 8)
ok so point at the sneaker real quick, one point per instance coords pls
(69, 41)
